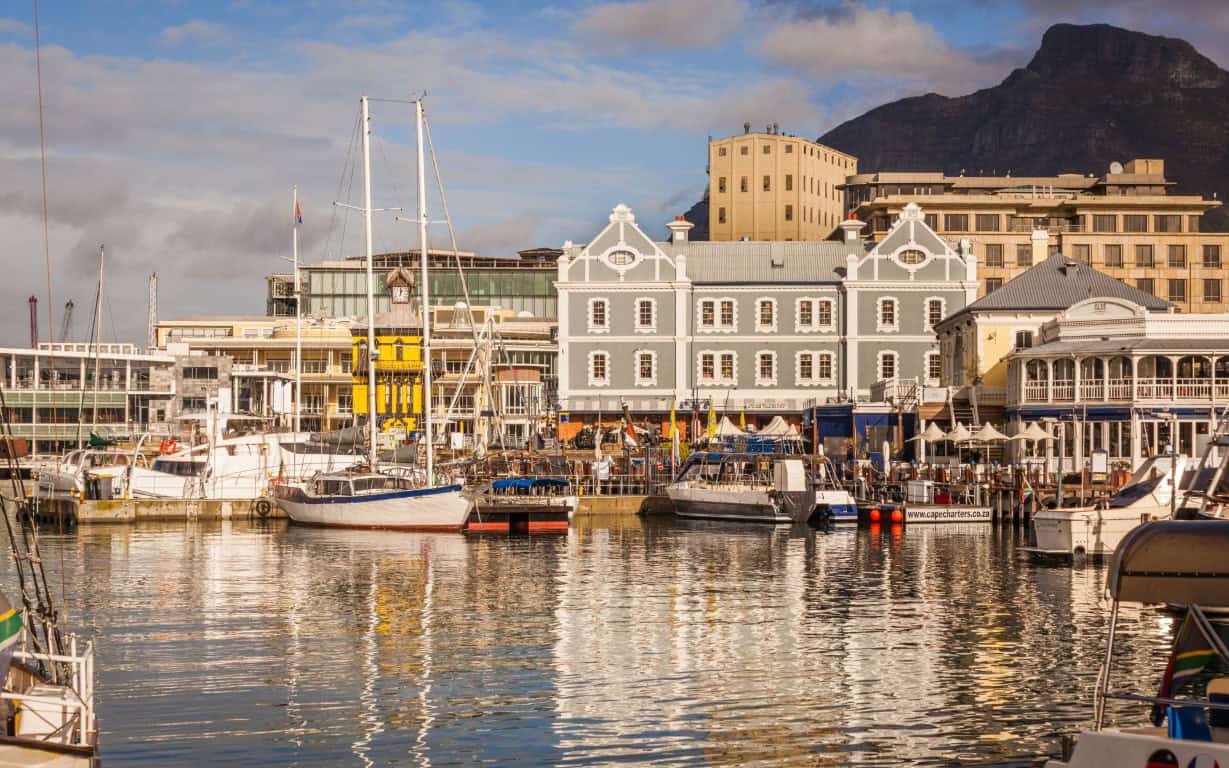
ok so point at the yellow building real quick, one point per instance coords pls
(1123, 223)
(398, 358)
(773, 186)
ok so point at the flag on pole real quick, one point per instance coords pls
(742, 420)
(1191, 653)
(711, 430)
(298, 213)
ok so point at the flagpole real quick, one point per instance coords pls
(298, 315)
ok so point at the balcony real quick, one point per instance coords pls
(1126, 391)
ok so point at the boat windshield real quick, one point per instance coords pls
(179, 467)
(729, 470)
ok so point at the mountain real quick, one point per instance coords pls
(1091, 95)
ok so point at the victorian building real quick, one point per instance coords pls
(757, 327)
(1112, 375)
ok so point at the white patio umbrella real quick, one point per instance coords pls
(1032, 433)
(933, 433)
(960, 434)
(988, 434)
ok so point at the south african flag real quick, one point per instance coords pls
(1191, 653)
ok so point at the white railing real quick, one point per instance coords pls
(1120, 389)
(62, 714)
(1092, 389)
(897, 390)
(1036, 391)
(1064, 391)
(1125, 390)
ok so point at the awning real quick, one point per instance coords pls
(1173, 561)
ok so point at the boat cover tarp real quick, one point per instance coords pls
(1173, 561)
(529, 482)
(98, 441)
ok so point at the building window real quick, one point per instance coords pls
(1177, 289)
(708, 366)
(789, 149)
(1132, 222)
(806, 368)
(824, 314)
(721, 184)
(1104, 222)
(789, 182)
(994, 254)
(767, 183)
(934, 367)
(887, 315)
(1024, 254)
(823, 367)
(806, 314)
(727, 367)
(1113, 255)
(789, 213)
(599, 316)
(993, 284)
(935, 311)
(708, 314)
(765, 368)
(721, 152)
(1145, 285)
(765, 315)
(767, 149)
(887, 366)
(1211, 289)
(721, 215)
(742, 184)
(1024, 339)
(1167, 223)
(599, 369)
(911, 257)
(1211, 255)
(646, 369)
(987, 222)
(200, 373)
(1192, 223)
(956, 222)
(646, 315)
(931, 220)
(1082, 252)
(1143, 256)
(1177, 255)
(728, 318)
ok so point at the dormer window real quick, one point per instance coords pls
(621, 258)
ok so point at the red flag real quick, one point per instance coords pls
(298, 213)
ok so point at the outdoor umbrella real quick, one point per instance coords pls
(988, 434)
(1032, 433)
(959, 435)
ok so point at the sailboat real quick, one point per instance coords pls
(373, 497)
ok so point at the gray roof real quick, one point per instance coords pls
(1124, 345)
(765, 261)
(1058, 283)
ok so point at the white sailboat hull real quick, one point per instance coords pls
(427, 509)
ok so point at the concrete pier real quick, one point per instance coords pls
(137, 510)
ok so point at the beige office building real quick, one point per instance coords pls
(773, 186)
(1124, 223)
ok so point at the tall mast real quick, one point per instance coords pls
(298, 313)
(428, 432)
(371, 298)
(102, 263)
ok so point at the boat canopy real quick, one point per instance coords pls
(1173, 561)
(529, 482)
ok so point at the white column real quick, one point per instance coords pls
(1105, 381)
(1049, 381)
(1076, 364)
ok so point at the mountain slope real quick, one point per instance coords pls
(1091, 95)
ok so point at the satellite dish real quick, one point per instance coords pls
(1115, 167)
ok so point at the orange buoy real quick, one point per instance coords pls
(874, 515)
(898, 516)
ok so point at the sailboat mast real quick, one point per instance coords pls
(298, 313)
(428, 432)
(102, 268)
(371, 298)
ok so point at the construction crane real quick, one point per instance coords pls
(67, 325)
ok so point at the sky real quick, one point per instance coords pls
(176, 130)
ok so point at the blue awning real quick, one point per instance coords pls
(529, 482)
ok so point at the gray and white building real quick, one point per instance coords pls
(757, 327)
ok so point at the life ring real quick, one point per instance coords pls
(263, 507)
(168, 446)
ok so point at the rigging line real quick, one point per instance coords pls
(341, 180)
(93, 338)
(42, 155)
(452, 236)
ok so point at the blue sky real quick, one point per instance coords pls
(176, 129)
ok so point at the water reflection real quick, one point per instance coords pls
(624, 641)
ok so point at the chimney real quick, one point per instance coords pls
(1041, 245)
(679, 229)
(852, 228)
(747, 127)
(776, 129)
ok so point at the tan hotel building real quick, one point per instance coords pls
(773, 186)
(1123, 223)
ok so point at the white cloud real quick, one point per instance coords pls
(13, 26)
(645, 24)
(195, 32)
(877, 43)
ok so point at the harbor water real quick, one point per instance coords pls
(627, 641)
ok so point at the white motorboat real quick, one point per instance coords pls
(1095, 531)
(747, 487)
(365, 499)
(238, 467)
(1179, 562)
(67, 474)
